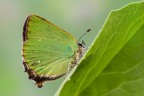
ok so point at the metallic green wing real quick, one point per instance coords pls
(47, 50)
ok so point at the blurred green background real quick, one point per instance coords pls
(74, 16)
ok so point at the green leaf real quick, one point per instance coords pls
(114, 64)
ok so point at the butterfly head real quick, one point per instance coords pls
(82, 44)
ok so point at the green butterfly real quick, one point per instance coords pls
(48, 51)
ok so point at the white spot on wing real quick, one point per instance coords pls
(38, 61)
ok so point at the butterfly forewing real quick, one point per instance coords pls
(47, 49)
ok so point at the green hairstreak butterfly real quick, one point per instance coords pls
(48, 51)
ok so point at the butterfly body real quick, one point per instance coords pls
(48, 51)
